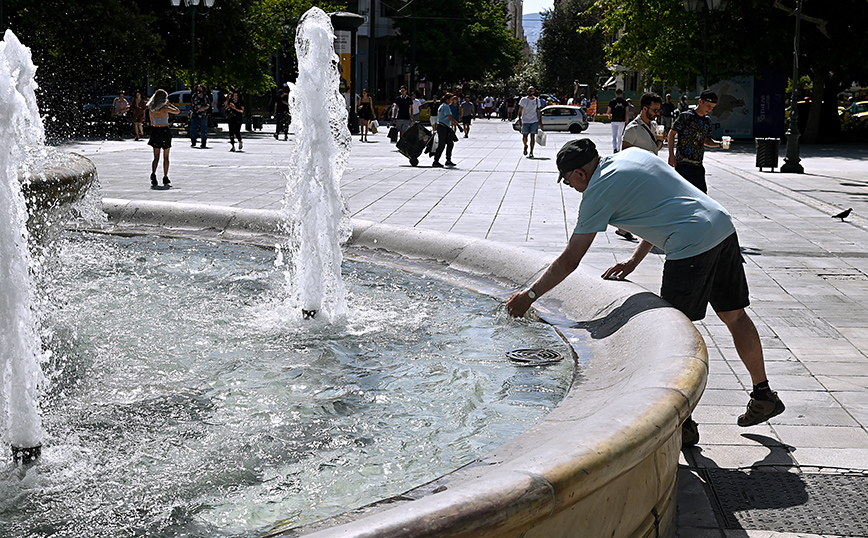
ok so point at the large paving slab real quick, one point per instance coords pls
(808, 272)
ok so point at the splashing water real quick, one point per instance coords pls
(20, 345)
(316, 214)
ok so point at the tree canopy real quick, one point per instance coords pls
(665, 42)
(566, 53)
(459, 40)
(99, 46)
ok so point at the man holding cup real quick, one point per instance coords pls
(694, 133)
(643, 132)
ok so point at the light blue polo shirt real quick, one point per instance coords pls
(638, 191)
(443, 114)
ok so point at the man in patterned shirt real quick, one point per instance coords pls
(694, 133)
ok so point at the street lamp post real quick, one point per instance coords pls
(193, 8)
(704, 6)
(791, 161)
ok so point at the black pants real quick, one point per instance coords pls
(694, 174)
(444, 141)
(235, 128)
(282, 123)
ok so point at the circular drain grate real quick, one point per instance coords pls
(534, 356)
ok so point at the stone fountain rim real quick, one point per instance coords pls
(627, 412)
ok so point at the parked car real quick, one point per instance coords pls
(181, 99)
(100, 109)
(564, 118)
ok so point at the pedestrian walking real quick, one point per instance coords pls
(235, 111)
(467, 115)
(456, 112)
(417, 106)
(530, 119)
(667, 113)
(636, 190)
(281, 114)
(200, 109)
(120, 106)
(366, 114)
(139, 108)
(402, 113)
(642, 131)
(617, 113)
(693, 129)
(159, 109)
(446, 125)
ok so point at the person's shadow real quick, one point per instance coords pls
(609, 324)
(760, 497)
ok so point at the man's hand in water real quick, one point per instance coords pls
(518, 305)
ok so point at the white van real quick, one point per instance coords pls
(181, 99)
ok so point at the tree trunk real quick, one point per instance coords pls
(812, 126)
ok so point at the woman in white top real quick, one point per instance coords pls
(161, 137)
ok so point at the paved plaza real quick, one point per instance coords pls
(808, 275)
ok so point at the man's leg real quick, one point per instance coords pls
(620, 126)
(764, 402)
(747, 343)
(203, 126)
(694, 174)
(615, 145)
(443, 135)
(524, 141)
(194, 129)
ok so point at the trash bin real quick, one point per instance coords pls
(767, 153)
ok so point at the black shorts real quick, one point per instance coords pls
(161, 137)
(715, 276)
(466, 120)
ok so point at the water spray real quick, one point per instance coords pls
(20, 344)
(315, 212)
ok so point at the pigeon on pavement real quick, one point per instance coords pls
(843, 214)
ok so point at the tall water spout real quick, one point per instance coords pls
(20, 345)
(316, 214)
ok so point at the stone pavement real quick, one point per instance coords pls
(808, 275)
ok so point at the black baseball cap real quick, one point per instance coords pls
(574, 154)
(708, 96)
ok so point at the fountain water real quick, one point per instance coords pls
(315, 212)
(20, 346)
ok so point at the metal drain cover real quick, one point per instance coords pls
(826, 504)
(534, 356)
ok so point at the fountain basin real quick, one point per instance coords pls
(603, 463)
(51, 185)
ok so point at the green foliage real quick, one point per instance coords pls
(666, 42)
(565, 53)
(460, 40)
(81, 47)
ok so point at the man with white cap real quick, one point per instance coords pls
(639, 192)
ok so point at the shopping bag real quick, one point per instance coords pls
(393, 134)
(541, 138)
(372, 126)
(432, 146)
(517, 124)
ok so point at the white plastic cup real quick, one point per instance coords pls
(727, 140)
(661, 129)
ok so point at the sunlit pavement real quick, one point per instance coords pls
(808, 274)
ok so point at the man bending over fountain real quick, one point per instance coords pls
(639, 192)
